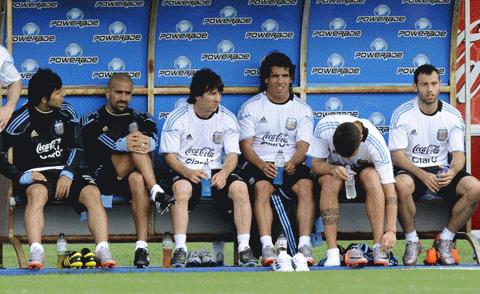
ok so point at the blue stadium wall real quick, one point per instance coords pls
(369, 45)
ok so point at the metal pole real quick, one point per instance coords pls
(468, 111)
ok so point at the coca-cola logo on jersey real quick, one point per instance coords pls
(426, 150)
(275, 139)
(203, 152)
(49, 150)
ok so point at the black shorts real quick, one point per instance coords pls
(253, 174)
(110, 184)
(220, 196)
(80, 181)
(448, 193)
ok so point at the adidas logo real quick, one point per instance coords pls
(189, 137)
(263, 120)
(34, 134)
(413, 132)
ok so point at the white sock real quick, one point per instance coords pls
(103, 244)
(153, 192)
(37, 246)
(447, 234)
(411, 237)
(333, 257)
(304, 240)
(180, 241)
(376, 245)
(141, 244)
(243, 241)
(266, 241)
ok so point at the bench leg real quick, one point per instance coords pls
(474, 243)
(19, 251)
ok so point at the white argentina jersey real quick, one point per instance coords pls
(275, 126)
(196, 140)
(373, 150)
(426, 139)
(8, 72)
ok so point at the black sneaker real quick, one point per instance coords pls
(72, 259)
(179, 258)
(246, 258)
(141, 258)
(88, 258)
(163, 202)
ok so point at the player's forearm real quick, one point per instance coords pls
(176, 165)
(401, 161)
(230, 163)
(13, 93)
(300, 154)
(391, 207)
(458, 161)
(249, 154)
(321, 167)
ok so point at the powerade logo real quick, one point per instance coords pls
(73, 55)
(74, 20)
(182, 68)
(191, 3)
(115, 65)
(423, 29)
(119, 4)
(31, 34)
(381, 14)
(226, 52)
(118, 33)
(378, 49)
(34, 5)
(269, 32)
(278, 3)
(428, 2)
(184, 32)
(419, 59)
(29, 68)
(228, 16)
(337, 29)
(336, 67)
(340, 2)
(378, 120)
(334, 106)
(251, 72)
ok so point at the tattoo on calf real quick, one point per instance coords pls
(330, 216)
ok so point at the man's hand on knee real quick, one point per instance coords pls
(63, 187)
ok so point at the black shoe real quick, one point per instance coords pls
(88, 258)
(179, 258)
(246, 258)
(141, 258)
(163, 202)
(72, 259)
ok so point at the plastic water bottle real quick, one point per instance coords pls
(279, 165)
(350, 184)
(206, 183)
(281, 244)
(167, 250)
(431, 195)
(61, 249)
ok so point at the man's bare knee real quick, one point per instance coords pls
(182, 190)
(263, 191)
(404, 186)
(238, 192)
(304, 189)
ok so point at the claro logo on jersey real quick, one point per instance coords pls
(336, 66)
(270, 31)
(29, 68)
(184, 32)
(417, 60)
(191, 3)
(182, 68)
(226, 52)
(34, 4)
(74, 20)
(423, 29)
(340, 2)
(378, 120)
(334, 106)
(278, 3)
(379, 50)
(31, 34)
(426, 2)
(381, 14)
(228, 16)
(337, 29)
(118, 33)
(119, 4)
(115, 65)
(73, 55)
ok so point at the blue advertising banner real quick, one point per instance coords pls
(230, 37)
(84, 41)
(377, 42)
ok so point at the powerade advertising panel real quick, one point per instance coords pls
(84, 41)
(230, 37)
(377, 42)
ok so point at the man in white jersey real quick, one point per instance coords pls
(196, 133)
(275, 120)
(341, 140)
(10, 78)
(423, 132)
